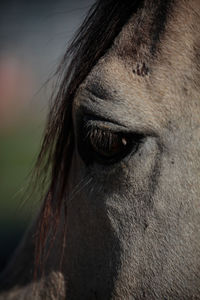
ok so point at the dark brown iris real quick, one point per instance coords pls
(106, 143)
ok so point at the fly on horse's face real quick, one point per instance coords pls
(133, 204)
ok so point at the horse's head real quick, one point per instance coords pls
(134, 213)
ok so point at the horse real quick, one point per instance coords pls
(120, 157)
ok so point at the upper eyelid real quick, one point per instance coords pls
(114, 131)
(99, 119)
(105, 125)
(83, 114)
(105, 128)
(84, 111)
(113, 128)
(137, 119)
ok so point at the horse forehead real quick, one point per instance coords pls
(140, 37)
(155, 26)
(158, 45)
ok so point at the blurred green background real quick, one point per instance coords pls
(19, 146)
(34, 36)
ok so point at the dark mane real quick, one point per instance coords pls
(102, 24)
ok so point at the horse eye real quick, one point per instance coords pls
(105, 146)
(106, 143)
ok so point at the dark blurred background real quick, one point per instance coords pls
(33, 38)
